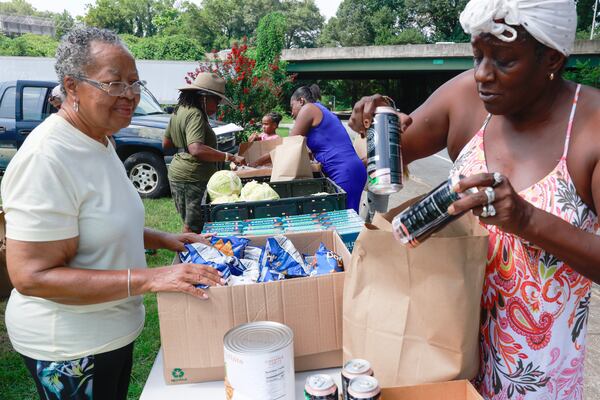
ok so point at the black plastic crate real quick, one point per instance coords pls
(296, 199)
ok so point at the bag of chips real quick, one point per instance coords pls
(230, 245)
(200, 253)
(280, 257)
(323, 262)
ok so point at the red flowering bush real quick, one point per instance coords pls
(253, 92)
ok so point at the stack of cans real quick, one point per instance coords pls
(358, 383)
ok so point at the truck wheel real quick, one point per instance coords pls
(148, 173)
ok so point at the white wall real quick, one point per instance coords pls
(163, 77)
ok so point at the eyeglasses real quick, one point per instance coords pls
(116, 89)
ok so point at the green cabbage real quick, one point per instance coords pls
(254, 191)
(223, 183)
(226, 199)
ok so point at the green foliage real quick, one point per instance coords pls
(253, 92)
(63, 23)
(270, 39)
(304, 23)
(439, 16)
(367, 22)
(18, 7)
(584, 73)
(128, 16)
(585, 15)
(28, 45)
(173, 47)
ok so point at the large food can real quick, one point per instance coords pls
(430, 214)
(364, 388)
(384, 163)
(352, 369)
(320, 387)
(259, 362)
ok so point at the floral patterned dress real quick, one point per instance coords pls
(534, 307)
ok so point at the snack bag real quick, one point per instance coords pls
(200, 253)
(280, 256)
(230, 245)
(324, 261)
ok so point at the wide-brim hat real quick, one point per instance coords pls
(209, 82)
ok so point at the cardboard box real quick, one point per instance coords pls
(192, 330)
(5, 285)
(253, 151)
(454, 390)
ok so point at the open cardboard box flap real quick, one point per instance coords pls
(454, 390)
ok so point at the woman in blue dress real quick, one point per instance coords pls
(329, 142)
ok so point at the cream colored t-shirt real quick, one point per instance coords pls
(63, 184)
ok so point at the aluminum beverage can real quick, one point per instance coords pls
(384, 162)
(430, 214)
(352, 369)
(364, 387)
(259, 361)
(320, 387)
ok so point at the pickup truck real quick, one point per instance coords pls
(24, 105)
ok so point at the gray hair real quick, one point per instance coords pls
(73, 52)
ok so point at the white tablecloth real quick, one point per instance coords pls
(157, 389)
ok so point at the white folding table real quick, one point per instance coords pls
(156, 388)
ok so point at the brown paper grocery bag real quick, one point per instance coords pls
(414, 313)
(291, 160)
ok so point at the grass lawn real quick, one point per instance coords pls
(15, 383)
(287, 119)
(283, 132)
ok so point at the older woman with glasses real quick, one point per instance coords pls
(76, 236)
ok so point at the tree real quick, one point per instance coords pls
(304, 23)
(233, 20)
(171, 47)
(63, 23)
(585, 15)
(110, 15)
(270, 39)
(366, 22)
(441, 17)
(252, 92)
(18, 7)
(127, 16)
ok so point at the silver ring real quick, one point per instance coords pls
(491, 210)
(498, 179)
(491, 195)
(484, 213)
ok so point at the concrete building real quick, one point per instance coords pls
(15, 25)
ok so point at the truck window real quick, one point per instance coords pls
(33, 103)
(7, 103)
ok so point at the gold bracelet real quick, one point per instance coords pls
(128, 282)
(226, 157)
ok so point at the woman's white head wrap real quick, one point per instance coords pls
(551, 22)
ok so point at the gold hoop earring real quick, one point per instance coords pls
(76, 106)
(552, 76)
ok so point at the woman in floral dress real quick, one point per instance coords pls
(528, 140)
